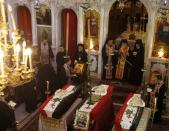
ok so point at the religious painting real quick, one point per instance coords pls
(91, 28)
(81, 120)
(44, 33)
(161, 37)
(79, 68)
(43, 15)
(157, 68)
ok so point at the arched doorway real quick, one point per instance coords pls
(24, 22)
(132, 18)
(69, 28)
(128, 21)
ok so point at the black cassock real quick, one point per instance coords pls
(7, 117)
(81, 57)
(46, 73)
(159, 106)
(59, 61)
(138, 63)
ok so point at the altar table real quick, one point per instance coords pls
(102, 115)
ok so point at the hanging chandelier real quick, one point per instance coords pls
(121, 4)
(163, 8)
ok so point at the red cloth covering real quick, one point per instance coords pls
(101, 117)
(120, 113)
(43, 113)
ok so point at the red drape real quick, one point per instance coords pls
(72, 39)
(24, 21)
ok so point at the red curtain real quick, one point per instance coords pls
(24, 21)
(72, 39)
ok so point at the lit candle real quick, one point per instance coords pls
(17, 55)
(88, 27)
(91, 44)
(26, 58)
(3, 10)
(67, 32)
(2, 63)
(23, 51)
(30, 58)
(12, 18)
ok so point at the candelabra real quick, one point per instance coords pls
(13, 70)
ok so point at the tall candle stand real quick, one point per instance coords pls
(88, 83)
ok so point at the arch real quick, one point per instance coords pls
(72, 35)
(24, 21)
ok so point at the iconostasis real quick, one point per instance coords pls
(91, 38)
(161, 38)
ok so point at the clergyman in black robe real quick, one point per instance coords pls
(60, 59)
(80, 56)
(138, 63)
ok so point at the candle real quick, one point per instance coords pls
(17, 55)
(2, 63)
(30, 58)
(88, 27)
(3, 11)
(12, 18)
(91, 44)
(26, 58)
(67, 32)
(23, 51)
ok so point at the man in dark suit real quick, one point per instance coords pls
(159, 91)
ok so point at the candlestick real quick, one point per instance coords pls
(30, 58)
(3, 11)
(12, 18)
(2, 63)
(26, 58)
(17, 56)
(23, 51)
(88, 27)
(67, 32)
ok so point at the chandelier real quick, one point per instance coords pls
(15, 66)
(121, 4)
(163, 8)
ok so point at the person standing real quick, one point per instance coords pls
(60, 59)
(159, 91)
(121, 64)
(80, 55)
(138, 63)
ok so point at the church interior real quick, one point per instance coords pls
(84, 65)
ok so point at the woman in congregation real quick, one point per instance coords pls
(138, 63)
(121, 64)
